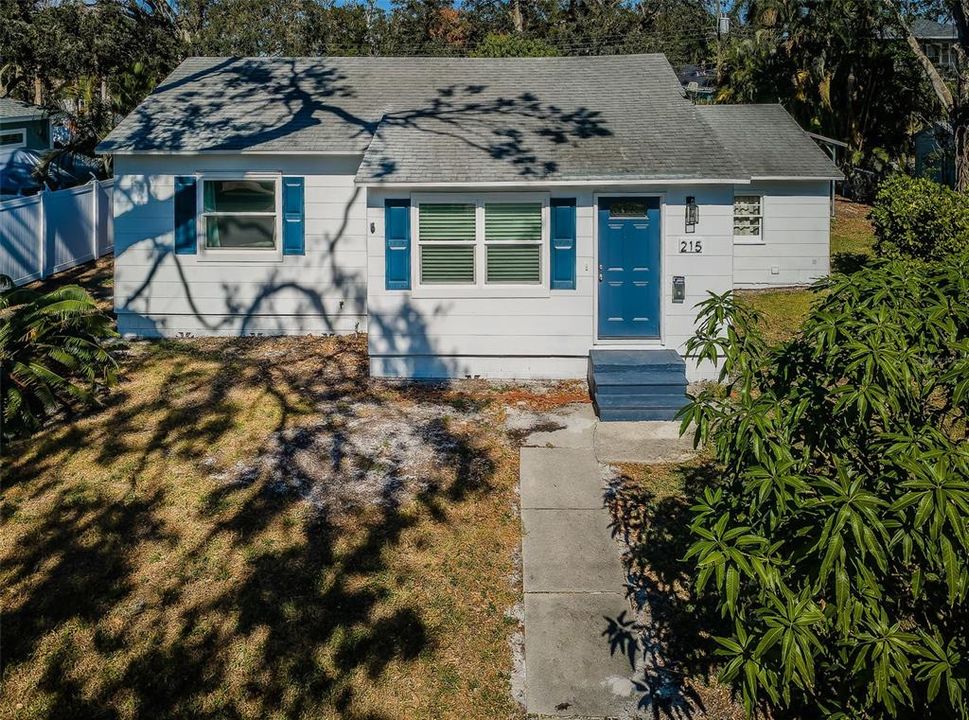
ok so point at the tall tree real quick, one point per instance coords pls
(953, 95)
(427, 27)
(833, 66)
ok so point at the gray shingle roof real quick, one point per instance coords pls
(926, 29)
(768, 142)
(10, 108)
(425, 120)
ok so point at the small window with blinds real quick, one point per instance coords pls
(747, 218)
(447, 236)
(513, 243)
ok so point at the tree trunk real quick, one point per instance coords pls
(954, 104)
(517, 20)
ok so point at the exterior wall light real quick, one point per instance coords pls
(692, 214)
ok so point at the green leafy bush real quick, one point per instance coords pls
(497, 46)
(55, 353)
(836, 542)
(919, 218)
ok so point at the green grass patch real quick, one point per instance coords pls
(783, 310)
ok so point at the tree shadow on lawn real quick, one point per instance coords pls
(672, 640)
(849, 263)
(155, 586)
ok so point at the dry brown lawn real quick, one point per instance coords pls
(254, 529)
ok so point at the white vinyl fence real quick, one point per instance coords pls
(50, 232)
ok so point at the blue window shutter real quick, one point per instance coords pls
(397, 244)
(186, 241)
(293, 223)
(563, 243)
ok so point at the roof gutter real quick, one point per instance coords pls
(23, 118)
(805, 178)
(557, 183)
(191, 153)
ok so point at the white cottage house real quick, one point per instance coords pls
(475, 217)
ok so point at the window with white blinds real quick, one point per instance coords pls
(480, 242)
(447, 237)
(748, 218)
(513, 243)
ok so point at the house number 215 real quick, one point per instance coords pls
(691, 246)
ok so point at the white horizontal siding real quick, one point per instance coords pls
(797, 230)
(339, 284)
(133, 325)
(160, 293)
(472, 334)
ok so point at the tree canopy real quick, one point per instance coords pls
(844, 68)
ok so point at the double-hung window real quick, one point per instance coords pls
(481, 241)
(748, 219)
(240, 214)
(447, 233)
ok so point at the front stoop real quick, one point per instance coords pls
(637, 384)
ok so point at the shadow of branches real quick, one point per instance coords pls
(672, 631)
(255, 528)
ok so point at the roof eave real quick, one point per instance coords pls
(831, 176)
(584, 182)
(102, 150)
(24, 118)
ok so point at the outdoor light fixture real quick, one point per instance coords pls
(692, 214)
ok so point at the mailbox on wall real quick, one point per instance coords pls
(679, 288)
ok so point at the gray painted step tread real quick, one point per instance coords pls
(640, 377)
(622, 389)
(642, 401)
(638, 358)
(636, 414)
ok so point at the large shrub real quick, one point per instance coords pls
(837, 540)
(55, 353)
(919, 218)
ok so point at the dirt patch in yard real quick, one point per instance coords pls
(364, 454)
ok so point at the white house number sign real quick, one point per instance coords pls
(692, 246)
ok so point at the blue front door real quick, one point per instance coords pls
(629, 279)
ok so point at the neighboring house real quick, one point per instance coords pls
(475, 217)
(938, 41)
(23, 126)
(699, 81)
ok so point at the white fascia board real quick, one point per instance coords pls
(195, 153)
(559, 183)
(21, 118)
(756, 178)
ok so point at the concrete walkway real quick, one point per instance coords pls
(574, 581)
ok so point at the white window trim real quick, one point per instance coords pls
(208, 254)
(480, 288)
(14, 145)
(749, 239)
